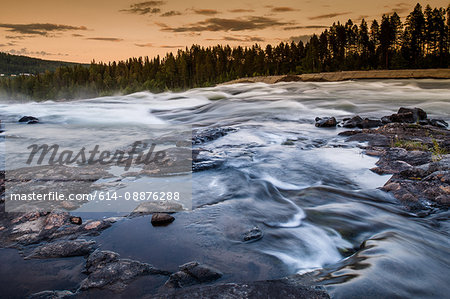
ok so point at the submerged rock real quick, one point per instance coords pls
(52, 295)
(326, 122)
(253, 235)
(106, 269)
(66, 248)
(161, 219)
(256, 289)
(192, 273)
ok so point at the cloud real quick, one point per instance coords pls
(39, 28)
(8, 44)
(171, 13)
(399, 8)
(328, 16)
(238, 10)
(282, 9)
(144, 8)
(221, 24)
(25, 51)
(14, 37)
(105, 39)
(304, 38)
(144, 45)
(206, 12)
(171, 47)
(305, 27)
(239, 38)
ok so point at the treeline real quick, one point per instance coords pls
(422, 41)
(18, 64)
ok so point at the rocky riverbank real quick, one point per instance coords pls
(350, 75)
(415, 150)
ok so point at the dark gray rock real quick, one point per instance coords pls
(107, 270)
(192, 273)
(248, 290)
(207, 135)
(369, 123)
(159, 219)
(326, 122)
(418, 113)
(420, 178)
(29, 120)
(253, 235)
(406, 115)
(352, 122)
(66, 248)
(438, 123)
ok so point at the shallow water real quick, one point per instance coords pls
(316, 200)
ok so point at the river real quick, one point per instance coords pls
(311, 193)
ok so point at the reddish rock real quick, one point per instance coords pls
(161, 219)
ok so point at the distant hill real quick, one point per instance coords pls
(16, 64)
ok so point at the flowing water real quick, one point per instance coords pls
(313, 197)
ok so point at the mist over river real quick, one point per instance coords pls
(311, 194)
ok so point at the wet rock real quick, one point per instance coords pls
(29, 120)
(107, 270)
(358, 122)
(401, 118)
(52, 295)
(418, 113)
(159, 219)
(42, 226)
(66, 248)
(420, 177)
(352, 122)
(253, 235)
(256, 289)
(406, 115)
(326, 122)
(207, 135)
(438, 123)
(288, 142)
(76, 220)
(192, 273)
(386, 119)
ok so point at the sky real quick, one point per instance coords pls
(108, 30)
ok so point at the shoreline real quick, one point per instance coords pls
(348, 75)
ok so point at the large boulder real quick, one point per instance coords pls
(418, 113)
(406, 115)
(65, 248)
(106, 269)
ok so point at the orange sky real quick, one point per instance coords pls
(106, 30)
